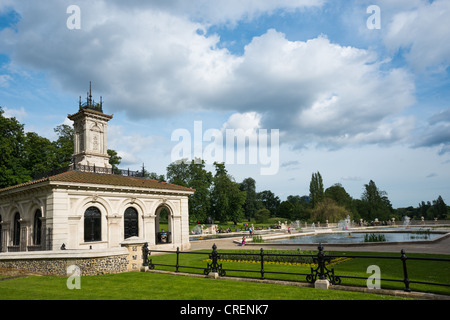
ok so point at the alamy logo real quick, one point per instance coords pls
(230, 146)
(74, 20)
(374, 21)
(74, 277)
(374, 280)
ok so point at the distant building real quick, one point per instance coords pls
(89, 205)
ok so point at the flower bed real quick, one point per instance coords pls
(281, 257)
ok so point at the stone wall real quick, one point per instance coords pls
(56, 263)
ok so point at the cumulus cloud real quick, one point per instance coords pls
(436, 133)
(245, 121)
(317, 90)
(219, 11)
(156, 59)
(19, 114)
(422, 31)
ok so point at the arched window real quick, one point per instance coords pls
(16, 233)
(92, 225)
(163, 225)
(37, 228)
(131, 224)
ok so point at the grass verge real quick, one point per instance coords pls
(154, 286)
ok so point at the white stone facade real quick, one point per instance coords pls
(62, 206)
(90, 138)
(88, 207)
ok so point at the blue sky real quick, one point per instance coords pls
(354, 103)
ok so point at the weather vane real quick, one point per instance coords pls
(90, 103)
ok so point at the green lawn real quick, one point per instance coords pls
(425, 271)
(154, 286)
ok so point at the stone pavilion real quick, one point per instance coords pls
(90, 205)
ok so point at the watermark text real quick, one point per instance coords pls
(230, 146)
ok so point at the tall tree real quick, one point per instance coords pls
(438, 209)
(39, 153)
(201, 180)
(328, 209)
(342, 198)
(294, 208)
(316, 192)
(114, 159)
(251, 205)
(269, 201)
(12, 140)
(376, 203)
(64, 145)
(195, 176)
(423, 208)
(226, 198)
(178, 173)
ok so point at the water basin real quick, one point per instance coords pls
(356, 237)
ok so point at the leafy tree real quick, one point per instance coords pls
(269, 200)
(251, 204)
(200, 180)
(286, 210)
(64, 145)
(294, 208)
(423, 208)
(316, 192)
(375, 203)
(226, 198)
(152, 175)
(342, 198)
(438, 209)
(195, 176)
(328, 209)
(262, 215)
(178, 173)
(114, 160)
(39, 154)
(12, 140)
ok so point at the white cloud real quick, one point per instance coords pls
(436, 133)
(4, 80)
(245, 121)
(19, 114)
(153, 63)
(423, 32)
(134, 148)
(319, 90)
(220, 11)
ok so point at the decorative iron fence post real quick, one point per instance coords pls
(262, 263)
(322, 272)
(214, 266)
(214, 257)
(145, 255)
(405, 271)
(321, 262)
(178, 259)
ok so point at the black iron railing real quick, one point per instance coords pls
(321, 260)
(45, 244)
(91, 169)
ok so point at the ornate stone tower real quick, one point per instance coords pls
(90, 134)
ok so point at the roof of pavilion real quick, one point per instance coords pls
(73, 176)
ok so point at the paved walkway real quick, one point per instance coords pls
(435, 247)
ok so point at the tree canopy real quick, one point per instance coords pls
(217, 194)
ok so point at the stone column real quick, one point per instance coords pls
(115, 235)
(134, 258)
